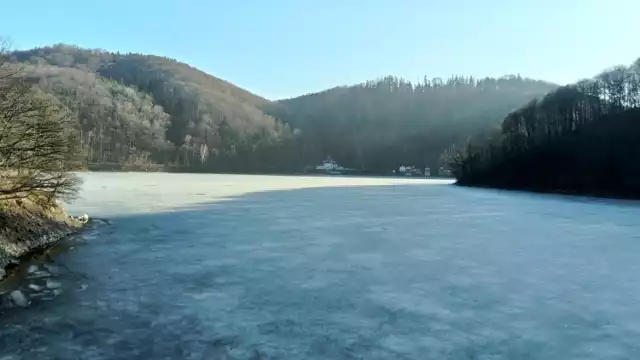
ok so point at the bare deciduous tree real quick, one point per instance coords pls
(38, 146)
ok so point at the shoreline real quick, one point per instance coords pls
(29, 227)
(155, 168)
(554, 191)
(310, 174)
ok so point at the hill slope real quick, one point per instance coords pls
(203, 115)
(379, 125)
(141, 109)
(116, 123)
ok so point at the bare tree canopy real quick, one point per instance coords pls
(38, 145)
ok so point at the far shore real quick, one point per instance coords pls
(171, 169)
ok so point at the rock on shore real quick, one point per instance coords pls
(19, 299)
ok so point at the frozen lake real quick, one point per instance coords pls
(276, 267)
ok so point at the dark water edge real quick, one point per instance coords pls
(596, 193)
(33, 278)
(36, 273)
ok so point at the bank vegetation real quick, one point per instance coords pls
(39, 149)
(581, 138)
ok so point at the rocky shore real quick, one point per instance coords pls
(37, 281)
(26, 229)
(26, 226)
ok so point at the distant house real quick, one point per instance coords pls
(409, 170)
(331, 167)
(328, 165)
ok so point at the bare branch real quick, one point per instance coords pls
(37, 143)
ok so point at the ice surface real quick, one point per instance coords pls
(273, 267)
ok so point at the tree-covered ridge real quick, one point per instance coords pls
(197, 102)
(138, 109)
(378, 125)
(116, 123)
(582, 137)
(202, 116)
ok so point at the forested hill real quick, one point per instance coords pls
(581, 138)
(142, 109)
(381, 124)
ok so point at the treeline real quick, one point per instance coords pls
(142, 110)
(580, 138)
(379, 125)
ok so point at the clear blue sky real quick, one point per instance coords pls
(283, 48)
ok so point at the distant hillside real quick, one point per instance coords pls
(379, 125)
(116, 123)
(581, 138)
(144, 109)
(206, 119)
